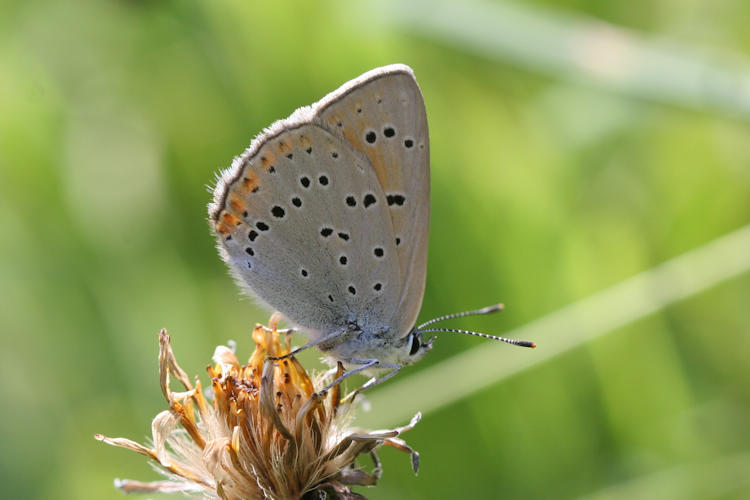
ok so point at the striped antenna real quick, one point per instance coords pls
(522, 343)
(475, 312)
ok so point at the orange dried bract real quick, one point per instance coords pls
(265, 433)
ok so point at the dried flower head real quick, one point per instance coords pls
(266, 433)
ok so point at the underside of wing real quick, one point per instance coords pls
(302, 221)
(381, 114)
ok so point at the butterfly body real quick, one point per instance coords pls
(325, 218)
(385, 346)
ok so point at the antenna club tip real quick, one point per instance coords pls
(493, 308)
(532, 345)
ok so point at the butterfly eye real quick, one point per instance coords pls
(415, 344)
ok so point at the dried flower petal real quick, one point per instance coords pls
(266, 433)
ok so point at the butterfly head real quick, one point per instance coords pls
(414, 348)
(361, 344)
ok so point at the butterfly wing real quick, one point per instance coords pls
(303, 222)
(382, 115)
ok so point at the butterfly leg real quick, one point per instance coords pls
(364, 365)
(377, 381)
(377, 470)
(312, 343)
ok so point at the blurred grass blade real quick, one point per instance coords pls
(720, 478)
(586, 50)
(569, 327)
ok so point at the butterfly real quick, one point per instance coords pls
(325, 219)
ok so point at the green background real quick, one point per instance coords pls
(548, 185)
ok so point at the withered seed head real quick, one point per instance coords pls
(265, 433)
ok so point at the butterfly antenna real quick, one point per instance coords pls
(522, 343)
(475, 312)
